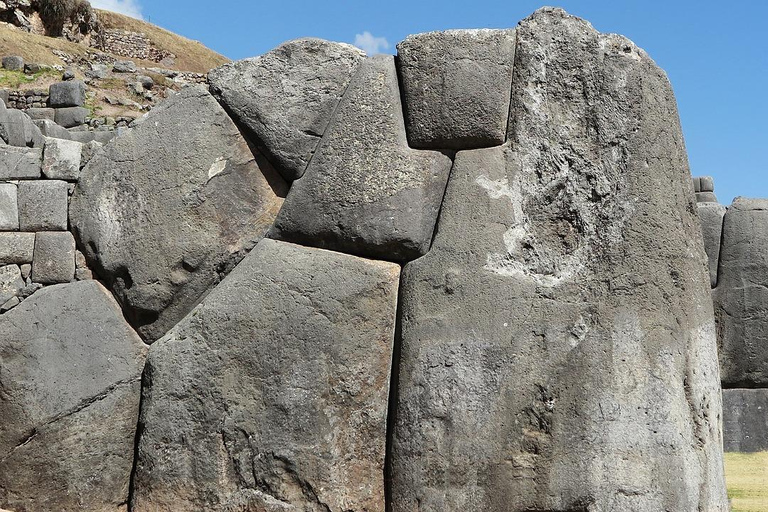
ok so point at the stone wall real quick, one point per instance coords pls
(23, 100)
(133, 45)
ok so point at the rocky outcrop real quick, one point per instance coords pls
(558, 348)
(165, 233)
(69, 399)
(272, 394)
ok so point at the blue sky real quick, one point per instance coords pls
(713, 51)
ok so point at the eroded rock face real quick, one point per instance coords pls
(167, 208)
(741, 296)
(745, 420)
(558, 344)
(711, 216)
(272, 394)
(286, 98)
(365, 191)
(70, 377)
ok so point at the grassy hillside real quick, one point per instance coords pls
(746, 475)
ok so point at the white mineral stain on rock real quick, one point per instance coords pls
(217, 167)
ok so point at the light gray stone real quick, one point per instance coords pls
(745, 420)
(66, 94)
(13, 63)
(741, 296)
(20, 163)
(558, 345)
(697, 184)
(124, 66)
(42, 205)
(164, 233)
(16, 248)
(456, 87)
(61, 159)
(88, 151)
(17, 129)
(707, 184)
(9, 210)
(286, 98)
(311, 438)
(10, 304)
(365, 191)
(71, 382)
(706, 197)
(49, 128)
(98, 71)
(711, 216)
(70, 117)
(41, 113)
(26, 271)
(54, 258)
(10, 282)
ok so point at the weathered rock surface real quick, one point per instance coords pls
(365, 191)
(70, 373)
(745, 420)
(456, 87)
(16, 247)
(71, 116)
(711, 216)
(61, 159)
(54, 258)
(287, 97)
(20, 163)
(558, 343)
(272, 394)
(67, 94)
(43, 205)
(163, 221)
(741, 296)
(9, 210)
(17, 129)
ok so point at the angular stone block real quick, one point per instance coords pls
(286, 98)
(365, 191)
(37, 114)
(71, 377)
(88, 151)
(11, 282)
(66, 94)
(741, 296)
(20, 163)
(61, 159)
(9, 210)
(745, 420)
(558, 347)
(17, 129)
(711, 216)
(16, 248)
(71, 116)
(50, 129)
(706, 197)
(13, 63)
(456, 87)
(43, 205)
(54, 258)
(312, 435)
(707, 184)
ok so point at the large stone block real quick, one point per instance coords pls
(70, 117)
(286, 98)
(43, 205)
(365, 191)
(66, 94)
(54, 258)
(456, 87)
(20, 163)
(61, 159)
(711, 216)
(10, 282)
(745, 420)
(280, 376)
(741, 296)
(49, 128)
(164, 233)
(37, 114)
(558, 345)
(13, 63)
(16, 248)
(17, 129)
(9, 210)
(71, 385)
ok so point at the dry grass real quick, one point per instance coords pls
(746, 475)
(35, 48)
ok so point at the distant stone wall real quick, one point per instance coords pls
(134, 45)
(23, 100)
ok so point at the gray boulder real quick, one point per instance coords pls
(54, 258)
(66, 94)
(286, 98)
(365, 191)
(124, 66)
(17, 129)
(711, 216)
(71, 382)
(194, 202)
(272, 394)
(745, 420)
(456, 87)
(49, 128)
(741, 296)
(13, 63)
(70, 117)
(558, 345)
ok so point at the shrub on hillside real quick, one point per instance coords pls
(56, 13)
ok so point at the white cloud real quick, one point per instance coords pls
(371, 44)
(128, 7)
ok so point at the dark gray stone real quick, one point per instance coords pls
(309, 439)
(13, 63)
(9, 210)
(286, 98)
(706, 197)
(49, 128)
(43, 205)
(66, 94)
(707, 184)
(365, 191)
(20, 163)
(456, 87)
(741, 296)
(41, 113)
(166, 232)
(711, 216)
(16, 248)
(745, 420)
(54, 258)
(71, 381)
(17, 129)
(558, 345)
(88, 151)
(71, 116)
(69, 74)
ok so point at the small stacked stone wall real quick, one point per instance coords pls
(134, 45)
(23, 100)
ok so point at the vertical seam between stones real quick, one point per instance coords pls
(720, 249)
(136, 439)
(512, 89)
(394, 381)
(436, 228)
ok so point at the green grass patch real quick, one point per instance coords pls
(746, 475)
(17, 79)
